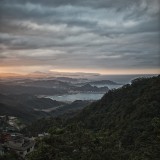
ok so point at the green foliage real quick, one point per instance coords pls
(42, 125)
(9, 156)
(75, 142)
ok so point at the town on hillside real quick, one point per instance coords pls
(14, 142)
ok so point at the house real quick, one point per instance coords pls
(20, 144)
(4, 118)
(43, 135)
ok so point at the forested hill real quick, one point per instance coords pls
(123, 125)
(132, 106)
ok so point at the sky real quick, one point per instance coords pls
(94, 36)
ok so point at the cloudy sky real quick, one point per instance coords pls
(103, 36)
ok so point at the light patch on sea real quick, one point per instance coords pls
(77, 96)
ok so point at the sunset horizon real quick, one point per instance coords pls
(87, 71)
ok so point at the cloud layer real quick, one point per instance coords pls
(82, 34)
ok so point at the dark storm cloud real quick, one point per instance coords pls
(118, 5)
(75, 33)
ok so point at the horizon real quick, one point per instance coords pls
(72, 73)
(76, 71)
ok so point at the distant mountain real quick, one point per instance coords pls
(68, 86)
(49, 84)
(34, 90)
(71, 80)
(89, 88)
(10, 75)
(46, 87)
(67, 79)
(98, 83)
(103, 82)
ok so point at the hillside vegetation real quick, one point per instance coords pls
(23, 106)
(123, 125)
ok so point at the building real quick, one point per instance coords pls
(43, 135)
(19, 144)
(4, 137)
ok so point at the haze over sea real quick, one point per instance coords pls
(122, 79)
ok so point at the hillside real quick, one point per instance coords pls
(123, 125)
(30, 108)
(70, 109)
(23, 106)
(133, 103)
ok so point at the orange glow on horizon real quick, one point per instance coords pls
(23, 70)
(109, 71)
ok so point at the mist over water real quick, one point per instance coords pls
(78, 96)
